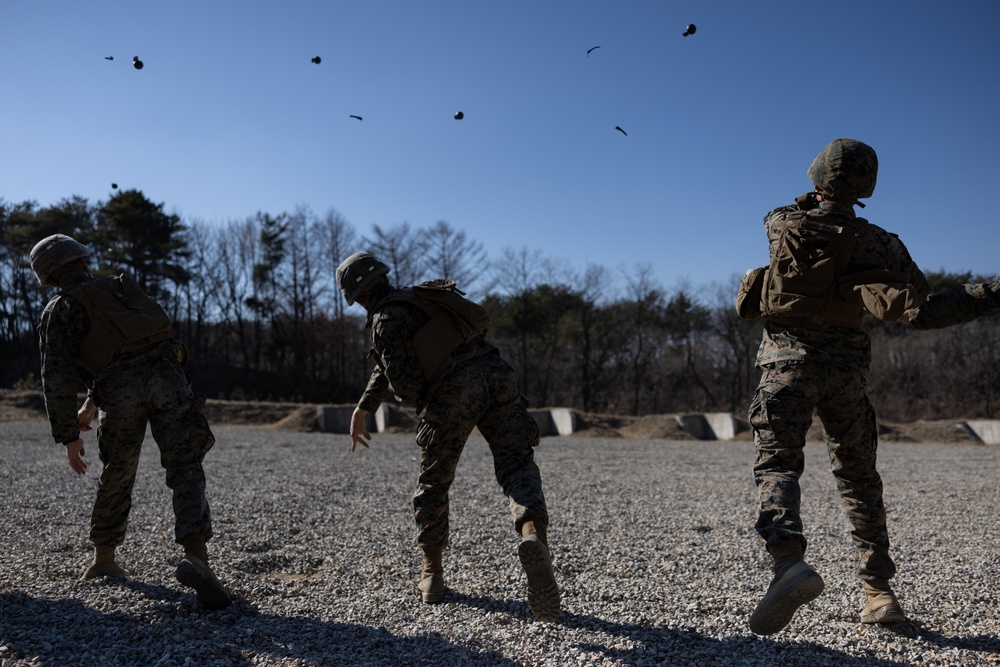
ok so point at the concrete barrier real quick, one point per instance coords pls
(544, 420)
(564, 420)
(710, 426)
(337, 419)
(696, 426)
(386, 417)
(987, 430)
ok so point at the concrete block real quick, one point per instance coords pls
(987, 430)
(544, 420)
(564, 420)
(384, 418)
(337, 418)
(722, 424)
(696, 426)
(711, 426)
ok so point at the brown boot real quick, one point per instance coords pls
(431, 584)
(881, 605)
(793, 585)
(193, 571)
(104, 565)
(543, 592)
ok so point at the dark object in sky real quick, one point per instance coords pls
(317, 60)
(136, 63)
(459, 115)
(109, 57)
(691, 29)
(592, 48)
(358, 117)
(114, 186)
(621, 130)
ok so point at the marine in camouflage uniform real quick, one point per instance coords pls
(480, 390)
(807, 365)
(141, 382)
(958, 305)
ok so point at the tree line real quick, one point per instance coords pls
(256, 302)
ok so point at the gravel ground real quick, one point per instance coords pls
(652, 539)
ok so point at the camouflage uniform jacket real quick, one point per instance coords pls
(63, 329)
(390, 328)
(64, 325)
(876, 249)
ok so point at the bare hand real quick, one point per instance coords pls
(74, 451)
(359, 430)
(85, 415)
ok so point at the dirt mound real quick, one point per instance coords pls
(655, 426)
(22, 405)
(302, 420)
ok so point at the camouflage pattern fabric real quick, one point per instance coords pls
(781, 414)
(957, 305)
(480, 390)
(876, 249)
(63, 326)
(156, 392)
(480, 393)
(806, 369)
(145, 387)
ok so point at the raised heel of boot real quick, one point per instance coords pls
(799, 585)
(196, 574)
(543, 592)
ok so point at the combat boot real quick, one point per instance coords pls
(431, 584)
(104, 565)
(543, 592)
(193, 571)
(793, 585)
(881, 605)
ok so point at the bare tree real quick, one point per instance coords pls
(451, 255)
(402, 249)
(644, 306)
(337, 240)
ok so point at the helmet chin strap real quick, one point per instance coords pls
(819, 195)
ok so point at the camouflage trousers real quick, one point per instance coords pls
(481, 392)
(781, 413)
(157, 393)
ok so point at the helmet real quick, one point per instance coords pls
(52, 252)
(846, 168)
(357, 272)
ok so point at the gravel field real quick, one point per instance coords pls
(652, 540)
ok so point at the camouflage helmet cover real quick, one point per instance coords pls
(846, 168)
(357, 272)
(52, 252)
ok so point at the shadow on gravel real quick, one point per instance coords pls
(914, 630)
(688, 646)
(685, 646)
(517, 608)
(64, 633)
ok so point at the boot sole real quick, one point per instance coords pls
(211, 593)
(543, 592)
(775, 611)
(890, 613)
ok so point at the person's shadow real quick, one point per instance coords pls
(67, 633)
(662, 645)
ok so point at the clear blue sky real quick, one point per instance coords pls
(229, 117)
